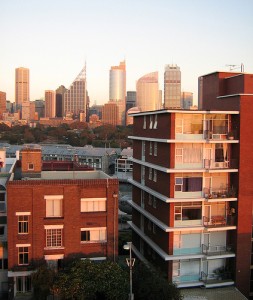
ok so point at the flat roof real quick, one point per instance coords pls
(56, 175)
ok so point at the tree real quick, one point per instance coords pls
(148, 284)
(91, 280)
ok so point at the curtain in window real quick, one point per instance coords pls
(192, 184)
(192, 153)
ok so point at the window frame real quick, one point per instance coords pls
(53, 200)
(92, 203)
(23, 224)
(102, 232)
(23, 255)
(54, 237)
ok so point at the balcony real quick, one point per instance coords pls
(220, 277)
(216, 249)
(187, 251)
(219, 221)
(219, 193)
(212, 164)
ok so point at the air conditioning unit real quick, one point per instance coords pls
(219, 164)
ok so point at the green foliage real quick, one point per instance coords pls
(147, 284)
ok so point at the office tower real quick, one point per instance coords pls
(117, 91)
(147, 92)
(59, 100)
(130, 99)
(22, 86)
(110, 114)
(50, 104)
(54, 214)
(172, 87)
(75, 97)
(186, 100)
(2, 104)
(192, 186)
(40, 108)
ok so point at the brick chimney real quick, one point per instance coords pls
(31, 163)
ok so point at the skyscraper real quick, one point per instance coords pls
(110, 114)
(59, 100)
(172, 87)
(186, 100)
(2, 103)
(22, 86)
(117, 92)
(50, 104)
(75, 96)
(147, 92)
(130, 100)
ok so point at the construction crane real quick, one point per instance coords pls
(234, 67)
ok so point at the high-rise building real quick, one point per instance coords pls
(147, 92)
(75, 97)
(59, 100)
(117, 91)
(22, 86)
(172, 86)
(50, 104)
(186, 100)
(130, 99)
(110, 114)
(40, 108)
(192, 186)
(2, 104)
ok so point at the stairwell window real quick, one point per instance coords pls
(155, 148)
(155, 122)
(144, 122)
(150, 121)
(150, 148)
(23, 224)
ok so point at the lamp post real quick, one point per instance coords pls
(130, 262)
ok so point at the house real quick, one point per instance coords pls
(55, 214)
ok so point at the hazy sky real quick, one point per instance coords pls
(54, 39)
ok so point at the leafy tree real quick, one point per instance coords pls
(148, 284)
(42, 281)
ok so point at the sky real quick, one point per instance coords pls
(55, 38)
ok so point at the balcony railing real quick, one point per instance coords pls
(186, 278)
(212, 164)
(219, 193)
(216, 249)
(220, 220)
(185, 251)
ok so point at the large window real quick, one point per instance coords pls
(23, 255)
(23, 284)
(188, 211)
(93, 204)
(54, 206)
(93, 235)
(54, 237)
(188, 184)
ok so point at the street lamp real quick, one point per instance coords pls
(130, 262)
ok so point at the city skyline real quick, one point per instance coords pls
(146, 35)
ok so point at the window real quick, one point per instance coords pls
(150, 148)
(23, 224)
(149, 225)
(188, 211)
(150, 121)
(30, 166)
(54, 237)
(93, 204)
(2, 229)
(188, 184)
(149, 199)
(155, 148)
(93, 235)
(150, 174)
(143, 149)
(154, 228)
(2, 202)
(3, 264)
(23, 284)
(154, 202)
(155, 122)
(54, 206)
(144, 123)
(155, 176)
(23, 255)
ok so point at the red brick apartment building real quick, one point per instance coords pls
(192, 186)
(53, 214)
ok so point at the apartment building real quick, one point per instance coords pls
(192, 196)
(53, 214)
